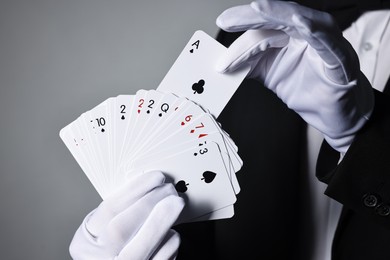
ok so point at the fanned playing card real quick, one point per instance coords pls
(172, 129)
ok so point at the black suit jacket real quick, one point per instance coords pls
(361, 182)
(273, 219)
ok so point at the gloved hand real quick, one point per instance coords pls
(134, 223)
(300, 54)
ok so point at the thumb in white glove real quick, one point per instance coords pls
(300, 54)
(133, 223)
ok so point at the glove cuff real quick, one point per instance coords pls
(358, 106)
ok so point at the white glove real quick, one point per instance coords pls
(134, 223)
(300, 54)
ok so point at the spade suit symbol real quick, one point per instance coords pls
(181, 186)
(208, 176)
(197, 87)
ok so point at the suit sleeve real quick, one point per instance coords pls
(361, 181)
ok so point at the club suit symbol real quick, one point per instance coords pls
(208, 176)
(181, 186)
(197, 87)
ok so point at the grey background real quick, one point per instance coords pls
(57, 60)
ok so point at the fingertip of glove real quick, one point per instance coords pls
(235, 19)
(156, 175)
(219, 21)
(173, 238)
(221, 67)
(222, 21)
(255, 6)
(171, 207)
(137, 185)
(175, 203)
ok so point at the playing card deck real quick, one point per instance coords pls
(172, 129)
